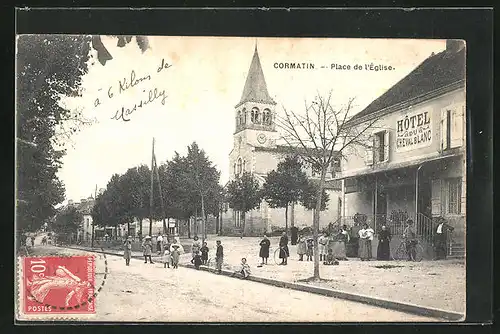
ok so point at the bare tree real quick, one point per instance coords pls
(318, 136)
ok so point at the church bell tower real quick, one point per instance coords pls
(255, 114)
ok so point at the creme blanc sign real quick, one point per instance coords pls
(413, 131)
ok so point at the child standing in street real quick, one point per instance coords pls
(174, 256)
(196, 260)
(219, 256)
(309, 251)
(204, 253)
(166, 258)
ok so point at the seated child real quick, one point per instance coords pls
(330, 259)
(196, 260)
(204, 253)
(244, 270)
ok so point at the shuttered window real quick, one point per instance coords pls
(454, 195)
(452, 126)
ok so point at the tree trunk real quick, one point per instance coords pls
(316, 223)
(140, 229)
(286, 218)
(128, 228)
(203, 220)
(220, 223)
(217, 223)
(196, 221)
(243, 225)
(189, 228)
(292, 214)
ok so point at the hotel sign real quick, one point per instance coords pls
(413, 131)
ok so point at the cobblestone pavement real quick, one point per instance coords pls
(149, 292)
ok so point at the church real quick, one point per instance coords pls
(257, 150)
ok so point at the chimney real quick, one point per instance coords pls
(454, 45)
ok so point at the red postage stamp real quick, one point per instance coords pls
(59, 285)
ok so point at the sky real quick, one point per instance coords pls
(201, 81)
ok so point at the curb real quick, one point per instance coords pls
(379, 302)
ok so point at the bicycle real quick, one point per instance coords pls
(400, 254)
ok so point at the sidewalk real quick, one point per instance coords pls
(429, 284)
(435, 284)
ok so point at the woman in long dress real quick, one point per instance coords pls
(383, 249)
(264, 249)
(339, 245)
(284, 253)
(370, 233)
(195, 248)
(147, 249)
(301, 247)
(363, 245)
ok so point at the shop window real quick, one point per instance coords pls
(454, 196)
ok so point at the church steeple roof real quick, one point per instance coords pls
(255, 89)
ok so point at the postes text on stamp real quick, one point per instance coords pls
(59, 285)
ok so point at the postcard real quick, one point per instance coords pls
(240, 179)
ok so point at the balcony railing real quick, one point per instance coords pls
(424, 225)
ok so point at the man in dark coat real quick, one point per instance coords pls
(440, 238)
(284, 253)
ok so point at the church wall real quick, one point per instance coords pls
(265, 162)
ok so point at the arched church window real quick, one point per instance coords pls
(238, 118)
(244, 165)
(255, 115)
(234, 168)
(243, 117)
(266, 117)
(240, 166)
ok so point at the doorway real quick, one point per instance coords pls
(380, 209)
(425, 197)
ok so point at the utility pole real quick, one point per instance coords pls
(151, 194)
(161, 195)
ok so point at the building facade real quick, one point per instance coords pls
(256, 151)
(414, 162)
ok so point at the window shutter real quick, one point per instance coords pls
(444, 129)
(436, 197)
(457, 128)
(386, 145)
(369, 156)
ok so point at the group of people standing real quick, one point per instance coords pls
(171, 251)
